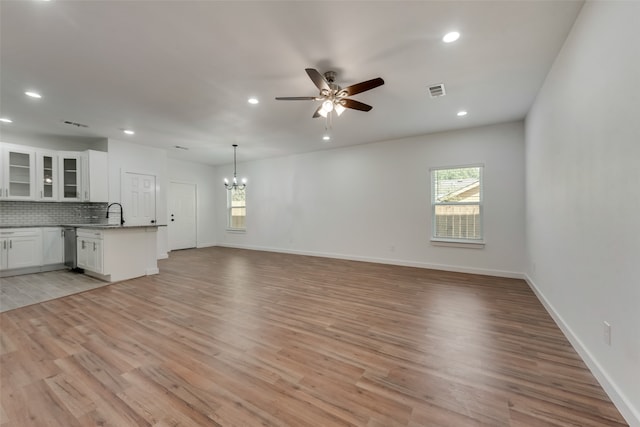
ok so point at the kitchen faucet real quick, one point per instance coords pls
(121, 212)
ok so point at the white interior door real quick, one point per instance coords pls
(139, 199)
(182, 216)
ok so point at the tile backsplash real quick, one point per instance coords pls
(15, 213)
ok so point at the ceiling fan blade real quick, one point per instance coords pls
(295, 98)
(362, 87)
(317, 79)
(356, 105)
(317, 113)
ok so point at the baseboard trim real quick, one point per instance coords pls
(205, 245)
(404, 263)
(619, 399)
(31, 270)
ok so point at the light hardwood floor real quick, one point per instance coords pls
(227, 337)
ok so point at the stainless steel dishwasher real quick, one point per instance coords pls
(70, 259)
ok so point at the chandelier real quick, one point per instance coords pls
(234, 184)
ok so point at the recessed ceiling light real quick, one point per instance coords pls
(128, 132)
(462, 113)
(326, 137)
(253, 100)
(5, 120)
(451, 37)
(33, 94)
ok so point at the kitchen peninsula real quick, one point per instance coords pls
(114, 252)
(105, 251)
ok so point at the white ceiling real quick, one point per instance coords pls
(180, 72)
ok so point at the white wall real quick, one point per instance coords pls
(54, 142)
(583, 195)
(128, 157)
(204, 178)
(372, 201)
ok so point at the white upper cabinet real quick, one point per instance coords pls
(95, 179)
(30, 173)
(18, 173)
(47, 177)
(70, 176)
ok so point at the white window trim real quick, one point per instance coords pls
(452, 243)
(236, 230)
(228, 228)
(458, 243)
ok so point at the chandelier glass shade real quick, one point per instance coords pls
(234, 182)
(331, 105)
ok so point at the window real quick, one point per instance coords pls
(456, 204)
(237, 208)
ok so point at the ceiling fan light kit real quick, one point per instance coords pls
(334, 97)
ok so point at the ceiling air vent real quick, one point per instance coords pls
(437, 90)
(80, 125)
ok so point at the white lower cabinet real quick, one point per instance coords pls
(20, 248)
(119, 253)
(89, 251)
(4, 247)
(52, 245)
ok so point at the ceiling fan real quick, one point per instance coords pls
(333, 97)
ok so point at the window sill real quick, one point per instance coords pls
(478, 244)
(237, 230)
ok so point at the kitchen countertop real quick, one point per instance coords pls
(91, 226)
(109, 226)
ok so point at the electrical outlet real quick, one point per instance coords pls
(606, 330)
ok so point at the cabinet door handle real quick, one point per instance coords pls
(10, 244)
(5, 245)
(83, 244)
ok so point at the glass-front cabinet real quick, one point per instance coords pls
(47, 176)
(18, 170)
(70, 176)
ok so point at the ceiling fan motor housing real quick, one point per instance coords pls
(330, 76)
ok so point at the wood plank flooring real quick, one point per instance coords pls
(228, 337)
